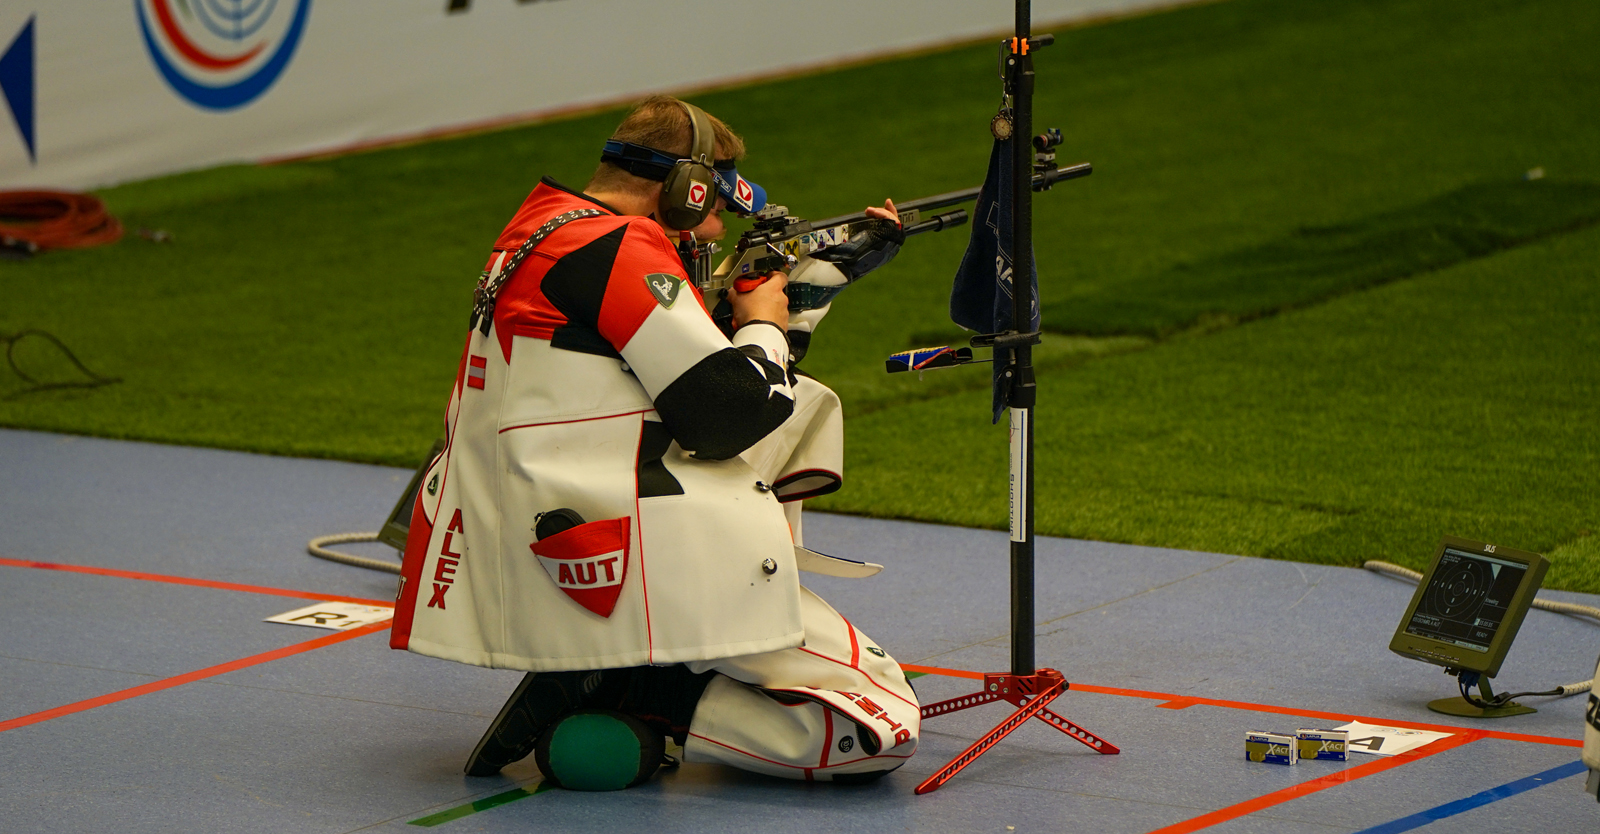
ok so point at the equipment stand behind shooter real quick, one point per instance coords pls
(1026, 686)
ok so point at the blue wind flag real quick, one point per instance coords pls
(981, 297)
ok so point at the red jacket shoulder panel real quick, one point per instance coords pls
(521, 307)
(628, 300)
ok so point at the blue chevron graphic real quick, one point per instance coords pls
(16, 82)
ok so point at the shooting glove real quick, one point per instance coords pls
(870, 247)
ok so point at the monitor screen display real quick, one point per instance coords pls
(1466, 600)
(395, 529)
(402, 511)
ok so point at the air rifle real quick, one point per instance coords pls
(778, 240)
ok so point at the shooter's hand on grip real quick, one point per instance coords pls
(750, 283)
(760, 299)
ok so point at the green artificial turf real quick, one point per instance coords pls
(1315, 263)
(1275, 182)
(1461, 402)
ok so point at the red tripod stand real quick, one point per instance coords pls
(1028, 687)
(1030, 694)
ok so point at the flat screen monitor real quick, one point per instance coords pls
(398, 526)
(1469, 605)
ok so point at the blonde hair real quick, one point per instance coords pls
(659, 122)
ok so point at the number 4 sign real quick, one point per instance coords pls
(1378, 740)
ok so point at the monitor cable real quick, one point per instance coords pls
(1466, 680)
(1569, 608)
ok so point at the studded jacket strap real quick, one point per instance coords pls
(489, 285)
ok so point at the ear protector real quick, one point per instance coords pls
(689, 186)
(689, 192)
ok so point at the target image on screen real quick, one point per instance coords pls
(1469, 605)
(1467, 599)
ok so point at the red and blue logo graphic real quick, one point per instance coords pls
(221, 54)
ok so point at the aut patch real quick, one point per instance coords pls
(588, 562)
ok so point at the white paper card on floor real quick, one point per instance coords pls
(1378, 740)
(335, 616)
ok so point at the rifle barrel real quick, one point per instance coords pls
(1040, 182)
(938, 223)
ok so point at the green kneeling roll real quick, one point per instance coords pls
(598, 750)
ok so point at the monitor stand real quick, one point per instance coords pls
(1463, 707)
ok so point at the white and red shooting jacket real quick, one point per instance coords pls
(602, 386)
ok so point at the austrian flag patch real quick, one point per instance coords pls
(588, 562)
(475, 369)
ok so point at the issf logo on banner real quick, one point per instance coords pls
(221, 54)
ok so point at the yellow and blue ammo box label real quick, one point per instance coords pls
(1324, 744)
(1272, 748)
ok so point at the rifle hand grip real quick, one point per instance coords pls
(750, 283)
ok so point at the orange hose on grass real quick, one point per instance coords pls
(56, 219)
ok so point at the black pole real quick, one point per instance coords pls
(1020, 70)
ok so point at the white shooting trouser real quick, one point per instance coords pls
(1591, 738)
(738, 724)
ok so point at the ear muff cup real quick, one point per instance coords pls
(690, 191)
(598, 750)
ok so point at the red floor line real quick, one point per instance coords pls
(1171, 701)
(1250, 806)
(1186, 701)
(184, 580)
(190, 677)
(936, 670)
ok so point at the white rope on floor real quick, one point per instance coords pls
(318, 547)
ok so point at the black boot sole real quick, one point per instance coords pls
(490, 755)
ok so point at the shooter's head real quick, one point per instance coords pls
(681, 157)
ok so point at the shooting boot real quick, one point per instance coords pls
(538, 700)
(664, 698)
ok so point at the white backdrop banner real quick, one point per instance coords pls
(103, 91)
